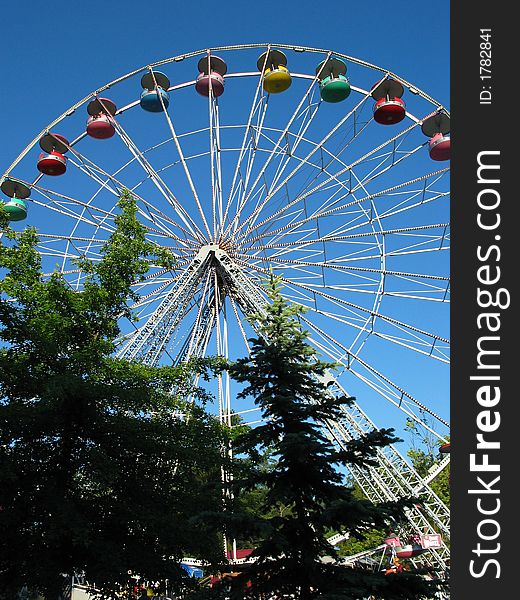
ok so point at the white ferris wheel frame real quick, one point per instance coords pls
(206, 263)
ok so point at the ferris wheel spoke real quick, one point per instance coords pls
(253, 137)
(421, 344)
(418, 243)
(388, 153)
(415, 243)
(183, 161)
(101, 220)
(160, 219)
(96, 230)
(154, 212)
(351, 269)
(373, 316)
(212, 167)
(417, 343)
(326, 210)
(263, 191)
(55, 238)
(334, 157)
(215, 165)
(358, 219)
(355, 309)
(288, 154)
(219, 210)
(383, 159)
(336, 178)
(277, 147)
(64, 205)
(103, 178)
(254, 150)
(163, 189)
(248, 142)
(71, 238)
(361, 282)
(405, 206)
(253, 216)
(75, 254)
(398, 396)
(330, 180)
(320, 166)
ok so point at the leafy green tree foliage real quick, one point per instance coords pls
(425, 455)
(423, 462)
(102, 465)
(305, 496)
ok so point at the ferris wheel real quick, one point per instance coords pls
(319, 167)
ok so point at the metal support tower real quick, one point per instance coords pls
(392, 478)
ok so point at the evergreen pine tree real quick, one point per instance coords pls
(282, 375)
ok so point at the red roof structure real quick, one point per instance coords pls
(240, 553)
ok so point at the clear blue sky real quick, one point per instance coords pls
(53, 55)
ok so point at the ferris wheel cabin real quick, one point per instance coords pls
(332, 77)
(276, 76)
(16, 207)
(52, 160)
(100, 124)
(389, 108)
(211, 76)
(437, 128)
(155, 97)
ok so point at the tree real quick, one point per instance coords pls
(372, 538)
(425, 455)
(282, 374)
(103, 463)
